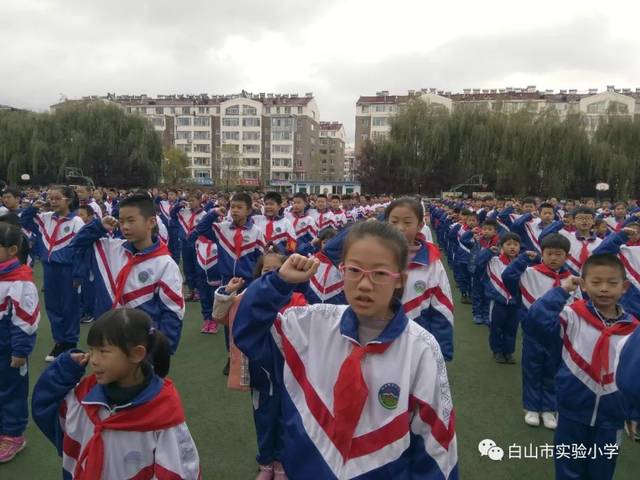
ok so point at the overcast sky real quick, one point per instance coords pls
(337, 49)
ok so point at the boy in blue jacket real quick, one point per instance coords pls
(591, 409)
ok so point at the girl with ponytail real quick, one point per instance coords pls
(125, 420)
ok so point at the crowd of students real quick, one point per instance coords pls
(337, 315)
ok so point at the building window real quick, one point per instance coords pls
(365, 109)
(250, 148)
(250, 162)
(250, 111)
(203, 147)
(233, 110)
(281, 148)
(380, 121)
(282, 122)
(250, 135)
(281, 162)
(202, 110)
(201, 161)
(186, 111)
(157, 121)
(159, 111)
(183, 135)
(202, 174)
(184, 121)
(251, 122)
(201, 122)
(287, 109)
(281, 135)
(379, 108)
(202, 135)
(299, 110)
(185, 147)
(231, 135)
(230, 122)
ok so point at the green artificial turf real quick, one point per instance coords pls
(486, 397)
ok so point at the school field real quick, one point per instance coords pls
(486, 397)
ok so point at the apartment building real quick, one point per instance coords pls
(256, 140)
(330, 164)
(373, 113)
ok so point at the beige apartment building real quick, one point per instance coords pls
(256, 140)
(373, 113)
(330, 161)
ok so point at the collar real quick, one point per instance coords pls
(504, 259)
(592, 237)
(153, 247)
(276, 217)
(562, 273)
(248, 224)
(349, 325)
(97, 395)
(55, 216)
(622, 316)
(426, 254)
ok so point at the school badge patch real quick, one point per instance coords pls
(388, 396)
(143, 277)
(278, 229)
(66, 229)
(419, 286)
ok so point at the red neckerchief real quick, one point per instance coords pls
(350, 394)
(192, 220)
(162, 412)
(600, 355)
(504, 259)
(492, 242)
(269, 230)
(237, 240)
(20, 273)
(557, 276)
(297, 218)
(134, 260)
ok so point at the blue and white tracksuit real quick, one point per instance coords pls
(573, 262)
(413, 437)
(539, 361)
(427, 295)
(53, 237)
(591, 409)
(153, 285)
(503, 307)
(60, 402)
(278, 231)
(208, 273)
(461, 258)
(629, 369)
(529, 229)
(186, 220)
(19, 318)
(164, 210)
(629, 254)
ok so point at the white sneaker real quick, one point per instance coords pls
(532, 419)
(549, 420)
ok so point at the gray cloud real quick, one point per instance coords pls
(167, 47)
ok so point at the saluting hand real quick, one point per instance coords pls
(109, 223)
(570, 284)
(298, 269)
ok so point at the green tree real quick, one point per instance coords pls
(175, 166)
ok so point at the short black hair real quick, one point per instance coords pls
(243, 197)
(584, 211)
(273, 196)
(490, 222)
(302, 196)
(603, 260)
(545, 205)
(528, 200)
(126, 328)
(509, 236)
(142, 202)
(555, 240)
(88, 208)
(327, 234)
(12, 191)
(465, 212)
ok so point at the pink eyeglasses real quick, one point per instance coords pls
(379, 276)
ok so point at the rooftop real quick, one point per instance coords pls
(509, 93)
